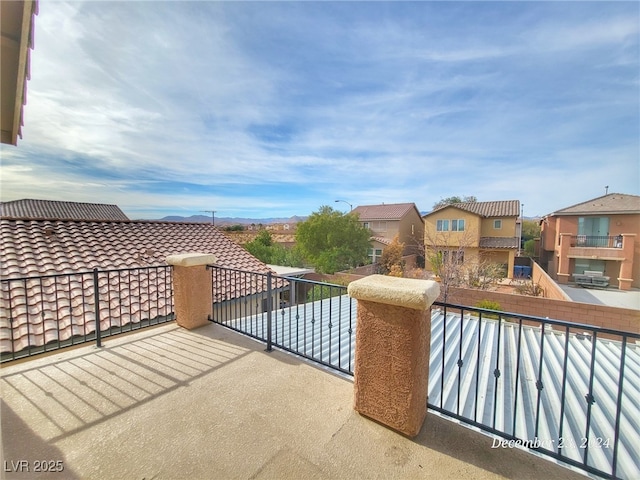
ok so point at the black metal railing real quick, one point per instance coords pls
(311, 319)
(43, 313)
(596, 241)
(559, 388)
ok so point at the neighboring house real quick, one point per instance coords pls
(599, 235)
(476, 231)
(388, 220)
(55, 210)
(58, 307)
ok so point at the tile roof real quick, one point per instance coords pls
(392, 211)
(500, 208)
(498, 242)
(56, 308)
(382, 240)
(40, 247)
(55, 210)
(614, 203)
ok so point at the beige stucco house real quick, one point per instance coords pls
(476, 231)
(388, 220)
(599, 235)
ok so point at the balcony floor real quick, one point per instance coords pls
(170, 403)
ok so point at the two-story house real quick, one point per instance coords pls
(599, 235)
(475, 231)
(388, 220)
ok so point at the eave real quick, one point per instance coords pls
(16, 41)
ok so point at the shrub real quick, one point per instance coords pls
(489, 305)
(529, 288)
(320, 292)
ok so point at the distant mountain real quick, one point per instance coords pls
(232, 220)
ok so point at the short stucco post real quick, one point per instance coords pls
(192, 288)
(393, 336)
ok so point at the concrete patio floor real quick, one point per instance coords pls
(167, 403)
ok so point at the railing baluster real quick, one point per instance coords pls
(517, 381)
(589, 396)
(616, 431)
(269, 309)
(539, 385)
(564, 388)
(96, 290)
(496, 372)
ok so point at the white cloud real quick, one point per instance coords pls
(276, 106)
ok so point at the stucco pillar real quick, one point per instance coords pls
(511, 263)
(393, 336)
(563, 258)
(192, 284)
(626, 267)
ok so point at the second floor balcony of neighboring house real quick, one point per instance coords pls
(597, 247)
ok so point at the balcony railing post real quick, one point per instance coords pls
(192, 288)
(96, 296)
(393, 340)
(269, 310)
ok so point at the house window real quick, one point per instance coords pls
(382, 227)
(374, 254)
(497, 224)
(366, 225)
(442, 225)
(457, 225)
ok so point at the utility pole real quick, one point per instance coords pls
(213, 215)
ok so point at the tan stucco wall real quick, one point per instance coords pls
(508, 227)
(411, 231)
(469, 238)
(599, 315)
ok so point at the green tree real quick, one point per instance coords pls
(530, 247)
(266, 250)
(332, 241)
(455, 199)
(530, 230)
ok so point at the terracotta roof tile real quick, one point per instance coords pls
(498, 242)
(500, 208)
(35, 311)
(54, 210)
(393, 211)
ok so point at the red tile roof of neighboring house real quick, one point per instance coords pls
(382, 240)
(500, 208)
(613, 203)
(39, 247)
(55, 210)
(498, 242)
(393, 211)
(59, 307)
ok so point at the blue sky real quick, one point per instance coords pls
(272, 109)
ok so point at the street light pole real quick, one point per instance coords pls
(344, 201)
(521, 227)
